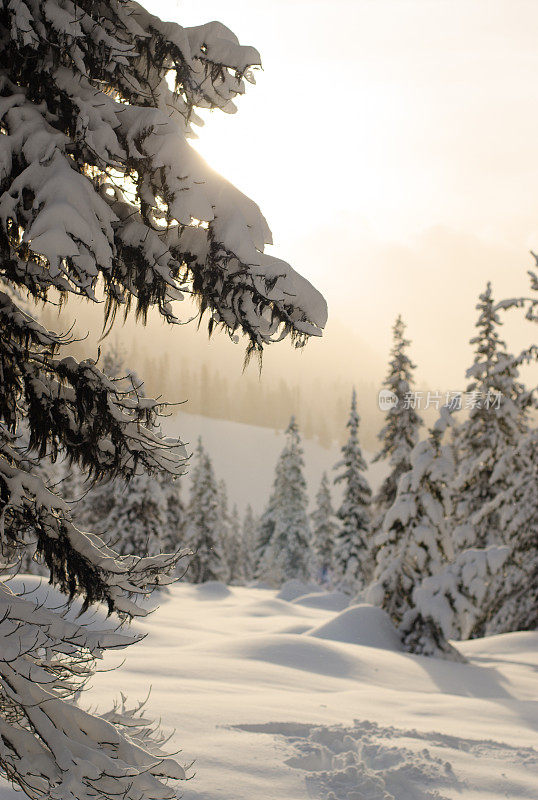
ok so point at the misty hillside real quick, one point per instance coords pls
(246, 455)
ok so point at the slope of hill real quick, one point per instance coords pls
(246, 455)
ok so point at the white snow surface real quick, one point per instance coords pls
(270, 709)
(246, 456)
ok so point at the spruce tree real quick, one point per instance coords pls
(234, 550)
(225, 533)
(400, 433)
(324, 530)
(140, 517)
(351, 545)
(173, 535)
(136, 524)
(265, 529)
(101, 196)
(249, 540)
(514, 604)
(415, 540)
(203, 536)
(453, 603)
(288, 552)
(492, 429)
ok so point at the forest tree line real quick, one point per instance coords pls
(447, 545)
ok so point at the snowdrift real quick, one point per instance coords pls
(363, 624)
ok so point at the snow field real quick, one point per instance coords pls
(285, 699)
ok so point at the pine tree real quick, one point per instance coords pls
(454, 602)
(515, 599)
(266, 525)
(234, 550)
(225, 536)
(22, 554)
(101, 196)
(173, 536)
(400, 433)
(249, 542)
(137, 522)
(135, 517)
(494, 424)
(415, 540)
(287, 554)
(204, 529)
(351, 545)
(324, 531)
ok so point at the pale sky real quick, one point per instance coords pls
(393, 147)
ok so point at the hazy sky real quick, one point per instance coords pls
(393, 147)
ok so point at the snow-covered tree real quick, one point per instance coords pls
(249, 540)
(288, 552)
(515, 598)
(137, 522)
(234, 550)
(400, 433)
(415, 540)
(143, 516)
(22, 554)
(173, 535)
(495, 421)
(324, 530)
(101, 196)
(454, 602)
(225, 534)
(351, 545)
(265, 529)
(203, 535)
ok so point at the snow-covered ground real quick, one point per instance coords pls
(246, 455)
(288, 698)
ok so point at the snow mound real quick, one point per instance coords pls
(363, 624)
(299, 628)
(212, 590)
(267, 608)
(328, 601)
(509, 644)
(295, 588)
(296, 652)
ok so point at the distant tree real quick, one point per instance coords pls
(324, 530)
(234, 550)
(287, 553)
(173, 535)
(400, 433)
(225, 533)
(101, 196)
(136, 524)
(494, 424)
(415, 541)
(203, 536)
(249, 533)
(139, 517)
(351, 545)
